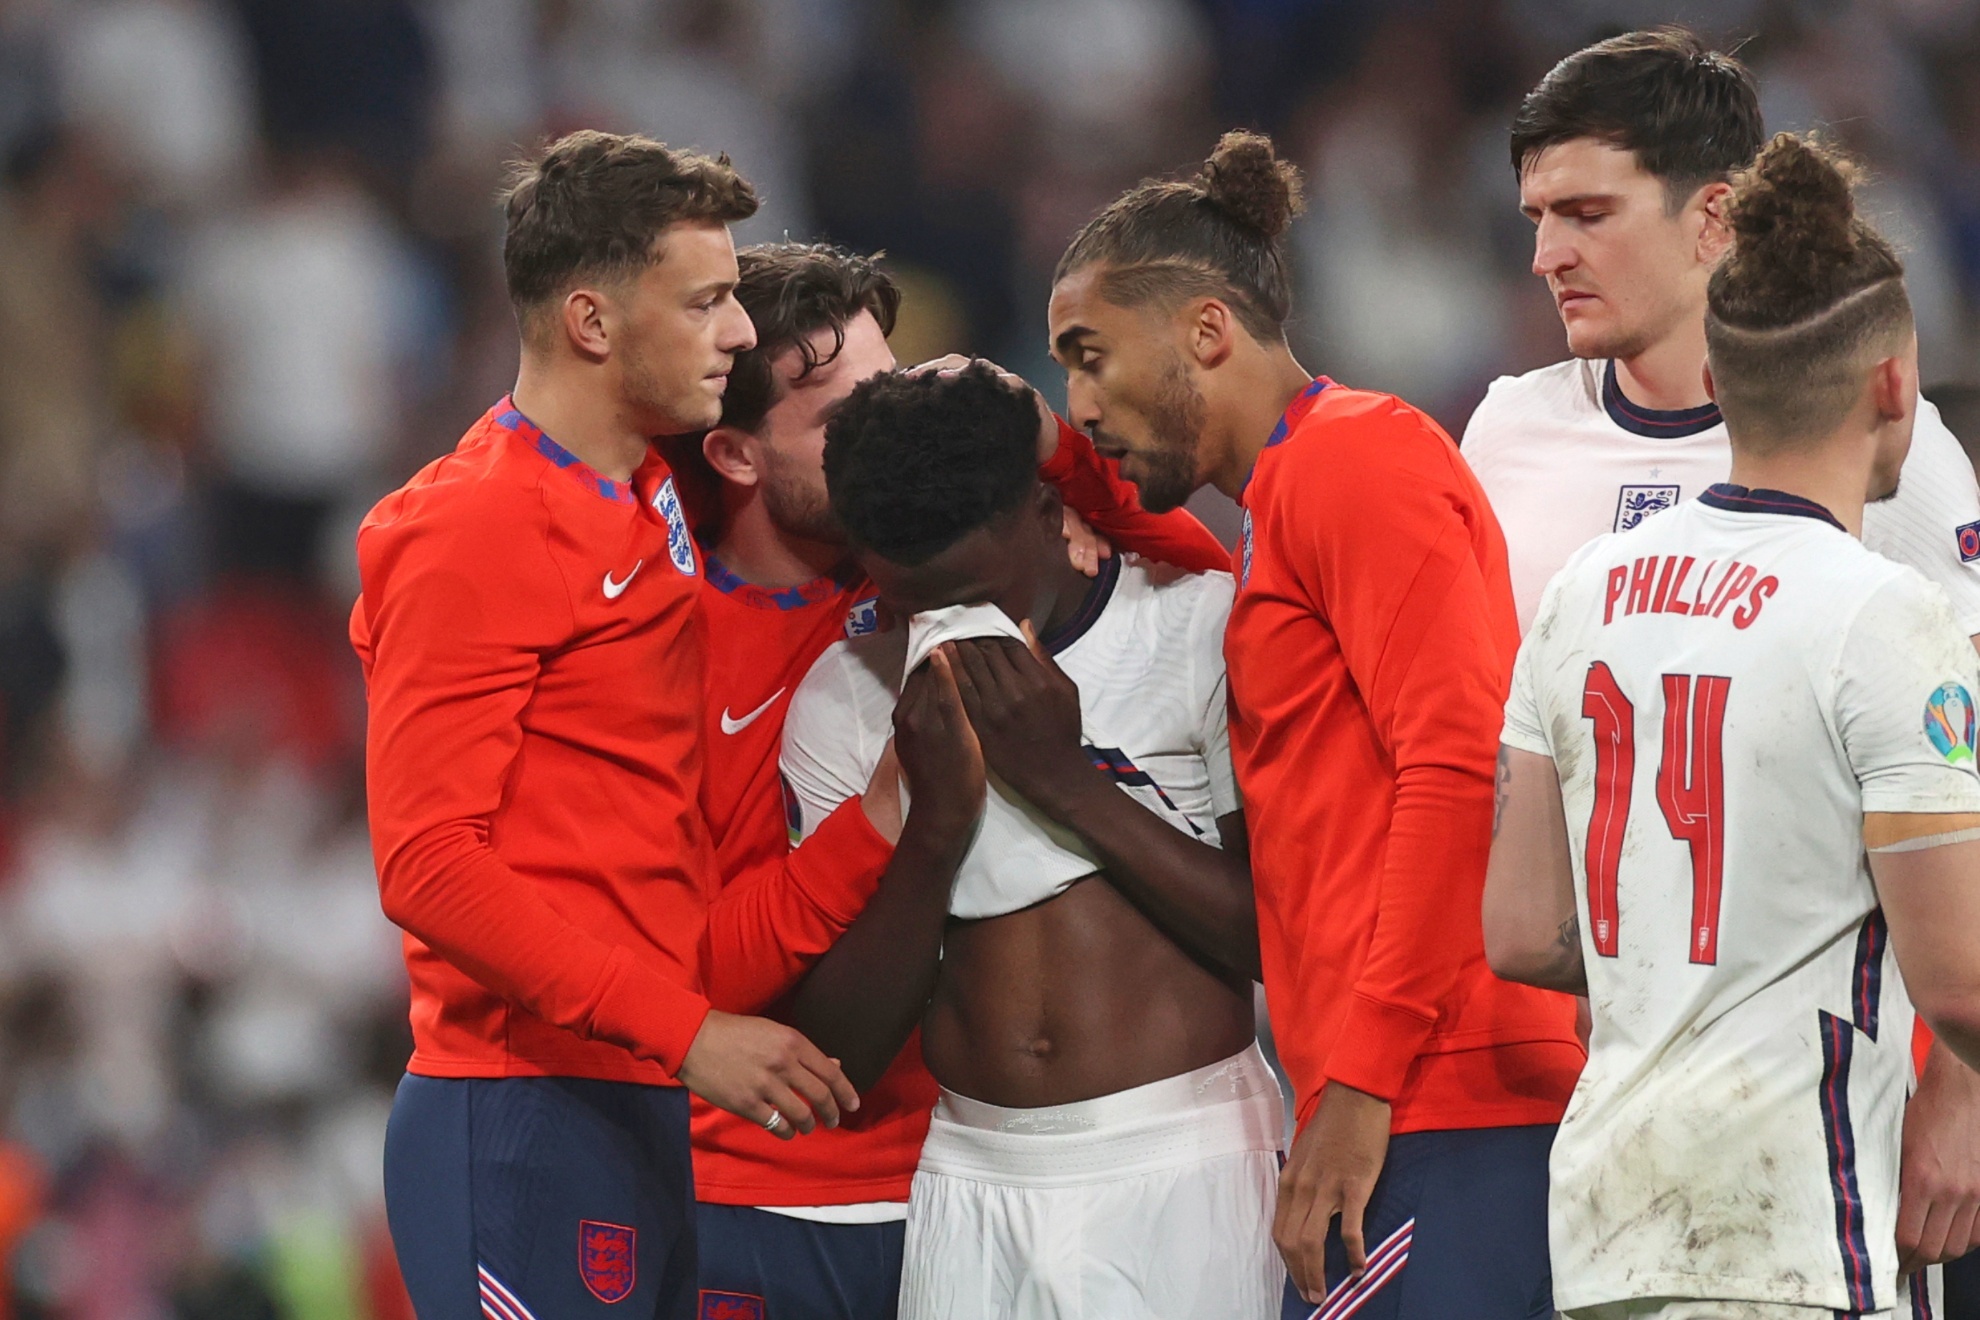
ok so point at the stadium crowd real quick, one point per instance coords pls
(249, 281)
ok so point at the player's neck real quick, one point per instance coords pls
(1835, 476)
(576, 410)
(761, 553)
(1067, 589)
(1263, 384)
(1669, 375)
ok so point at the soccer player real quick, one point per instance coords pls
(814, 1229)
(1106, 1139)
(1623, 153)
(1370, 640)
(1712, 719)
(531, 637)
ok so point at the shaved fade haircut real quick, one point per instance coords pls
(1810, 298)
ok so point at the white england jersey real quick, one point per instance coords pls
(1564, 457)
(1147, 653)
(1725, 691)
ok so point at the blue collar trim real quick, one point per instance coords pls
(1739, 499)
(1658, 424)
(1089, 611)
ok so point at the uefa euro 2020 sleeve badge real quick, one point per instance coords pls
(1949, 722)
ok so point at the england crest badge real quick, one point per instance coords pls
(605, 1259)
(1636, 503)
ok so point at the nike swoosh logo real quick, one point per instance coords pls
(613, 590)
(730, 726)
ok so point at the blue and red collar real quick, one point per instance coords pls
(1657, 423)
(1739, 499)
(1089, 611)
(820, 589)
(1295, 412)
(1301, 405)
(510, 418)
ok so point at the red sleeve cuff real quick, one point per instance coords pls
(840, 865)
(1064, 461)
(644, 1012)
(1377, 1044)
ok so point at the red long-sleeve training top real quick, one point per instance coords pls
(533, 659)
(1369, 649)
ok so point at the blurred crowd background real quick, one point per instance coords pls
(250, 280)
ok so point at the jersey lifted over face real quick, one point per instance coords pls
(1146, 652)
(1565, 457)
(1725, 691)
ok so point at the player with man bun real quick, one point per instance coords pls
(1107, 1134)
(1714, 716)
(1368, 647)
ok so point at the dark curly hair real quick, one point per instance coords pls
(592, 205)
(915, 463)
(791, 292)
(1809, 296)
(1689, 113)
(1218, 234)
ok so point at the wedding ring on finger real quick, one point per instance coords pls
(773, 1123)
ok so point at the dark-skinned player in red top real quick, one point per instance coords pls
(1370, 643)
(531, 633)
(813, 1230)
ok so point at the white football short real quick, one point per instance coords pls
(1151, 1202)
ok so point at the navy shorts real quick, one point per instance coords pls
(541, 1198)
(757, 1265)
(1457, 1226)
(1963, 1288)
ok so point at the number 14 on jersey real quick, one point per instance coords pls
(1690, 791)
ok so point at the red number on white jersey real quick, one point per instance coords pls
(1615, 771)
(1691, 791)
(1691, 788)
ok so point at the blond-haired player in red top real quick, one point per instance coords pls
(1624, 153)
(1368, 648)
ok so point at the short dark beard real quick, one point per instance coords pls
(1175, 426)
(797, 506)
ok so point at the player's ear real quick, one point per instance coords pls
(731, 454)
(1714, 203)
(1050, 507)
(1894, 387)
(583, 316)
(1209, 329)
(1711, 390)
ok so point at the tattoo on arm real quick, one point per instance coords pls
(1570, 973)
(1501, 784)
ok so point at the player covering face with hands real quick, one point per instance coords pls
(813, 1230)
(1106, 1137)
(1368, 648)
(1737, 798)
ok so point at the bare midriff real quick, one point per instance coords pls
(1076, 997)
